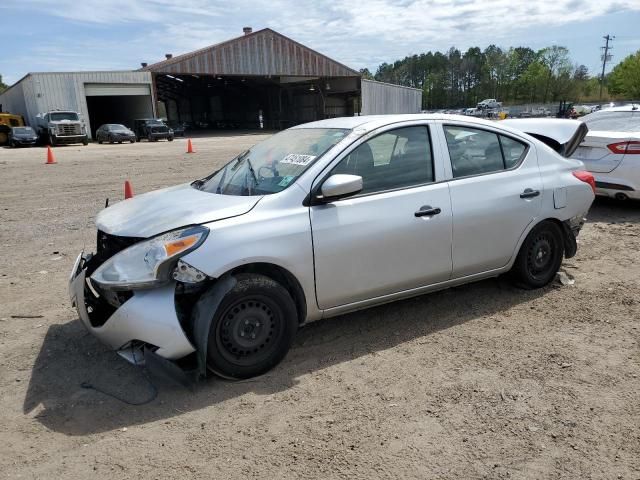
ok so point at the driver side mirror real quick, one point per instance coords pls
(339, 186)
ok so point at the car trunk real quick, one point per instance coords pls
(564, 136)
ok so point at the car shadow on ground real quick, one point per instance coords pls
(609, 210)
(69, 356)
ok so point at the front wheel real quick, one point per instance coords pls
(540, 256)
(252, 329)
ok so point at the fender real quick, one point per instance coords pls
(202, 316)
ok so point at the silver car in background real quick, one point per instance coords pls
(611, 151)
(323, 219)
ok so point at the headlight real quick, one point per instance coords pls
(149, 262)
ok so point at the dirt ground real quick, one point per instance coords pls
(481, 381)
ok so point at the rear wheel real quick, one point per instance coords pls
(540, 256)
(252, 329)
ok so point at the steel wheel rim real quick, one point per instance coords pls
(249, 330)
(541, 256)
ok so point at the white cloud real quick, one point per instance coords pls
(358, 34)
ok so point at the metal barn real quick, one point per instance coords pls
(100, 97)
(261, 79)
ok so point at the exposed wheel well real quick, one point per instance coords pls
(282, 276)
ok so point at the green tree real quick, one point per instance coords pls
(3, 86)
(365, 73)
(556, 60)
(624, 80)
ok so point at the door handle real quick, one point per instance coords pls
(427, 211)
(529, 193)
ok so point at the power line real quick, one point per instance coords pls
(605, 57)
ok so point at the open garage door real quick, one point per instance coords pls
(215, 102)
(117, 103)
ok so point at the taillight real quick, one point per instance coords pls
(586, 177)
(631, 147)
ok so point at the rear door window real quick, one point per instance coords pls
(474, 151)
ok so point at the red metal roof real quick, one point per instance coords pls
(264, 52)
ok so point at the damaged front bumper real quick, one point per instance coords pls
(144, 319)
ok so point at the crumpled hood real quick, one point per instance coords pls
(162, 210)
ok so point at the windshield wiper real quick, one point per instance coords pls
(253, 172)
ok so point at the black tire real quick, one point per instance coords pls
(539, 257)
(132, 140)
(252, 329)
(170, 139)
(53, 141)
(110, 139)
(85, 141)
(150, 138)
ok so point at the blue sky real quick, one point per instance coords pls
(70, 35)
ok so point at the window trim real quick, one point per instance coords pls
(498, 134)
(315, 190)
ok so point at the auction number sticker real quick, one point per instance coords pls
(298, 159)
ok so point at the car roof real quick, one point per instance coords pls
(621, 108)
(371, 122)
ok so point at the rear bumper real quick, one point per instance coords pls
(610, 186)
(148, 318)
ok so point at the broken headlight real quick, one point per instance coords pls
(150, 262)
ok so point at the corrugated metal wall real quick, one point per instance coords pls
(261, 53)
(12, 100)
(384, 98)
(42, 92)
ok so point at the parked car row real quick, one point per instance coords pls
(58, 127)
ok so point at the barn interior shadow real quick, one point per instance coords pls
(70, 356)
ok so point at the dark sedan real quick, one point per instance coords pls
(22, 137)
(114, 132)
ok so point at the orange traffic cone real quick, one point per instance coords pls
(190, 147)
(50, 158)
(128, 189)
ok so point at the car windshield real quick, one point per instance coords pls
(57, 116)
(154, 122)
(117, 128)
(613, 121)
(272, 165)
(22, 130)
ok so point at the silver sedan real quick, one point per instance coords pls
(327, 218)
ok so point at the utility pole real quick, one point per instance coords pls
(605, 58)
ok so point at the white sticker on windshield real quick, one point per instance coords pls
(298, 159)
